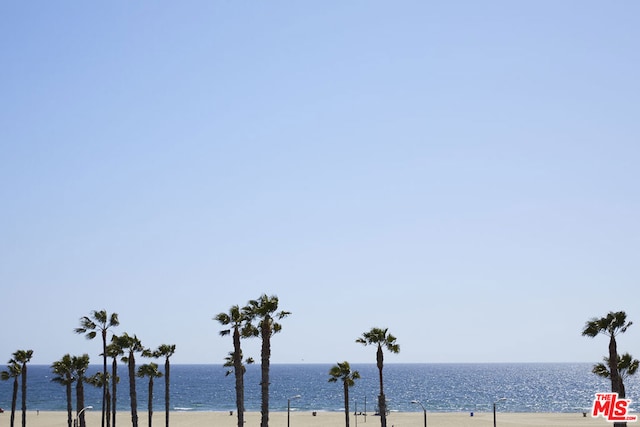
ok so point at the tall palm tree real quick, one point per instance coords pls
(381, 338)
(23, 357)
(89, 325)
(264, 310)
(151, 371)
(610, 325)
(14, 370)
(166, 351)
(236, 319)
(63, 371)
(80, 365)
(342, 371)
(114, 351)
(132, 345)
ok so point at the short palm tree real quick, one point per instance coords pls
(114, 351)
(229, 363)
(63, 371)
(13, 371)
(342, 371)
(627, 366)
(149, 370)
(99, 321)
(132, 345)
(235, 319)
(98, 380)
(166, 351)
(80, 365)
(23, 357)
(380, 338)
(263, 310)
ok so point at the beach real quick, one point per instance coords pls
(322, 419)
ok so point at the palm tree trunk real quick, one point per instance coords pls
(24, 395)
(166, 391)
(150, 405)
(266, 356)
(114, 386)
(382, 405)
(616, 381)
(69, 404)
(379, 360)
(108, 407)
(346, 404)
(613, 367)
(382, 401)
(14, 400)
(239, 373)
(132, 390)
(80, 401)
(104, 371)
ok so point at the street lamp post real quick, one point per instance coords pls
(424, 410)
(289, 408)
(365, 408)
(355, 411)
(502, 399)
(75, 422)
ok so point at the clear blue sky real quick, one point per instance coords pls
(464, 173)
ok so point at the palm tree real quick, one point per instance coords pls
(264, 309)
(114, 351)
(228, 363)
(381, 338)
(97, 380)
(23, 357)
(627, 366)
(133, 345)
(342, 371)
(14, 371)
(150, 370)
(80, 365)
(99, 321)
(166, 351)
(611, 325)
(235, 318)
(63, 369)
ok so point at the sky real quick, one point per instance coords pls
(463, 173)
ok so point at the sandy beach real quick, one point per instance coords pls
(322, 419)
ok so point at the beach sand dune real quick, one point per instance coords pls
(323, 419)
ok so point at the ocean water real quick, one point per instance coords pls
(545, 387)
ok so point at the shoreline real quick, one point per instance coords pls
(323, 419)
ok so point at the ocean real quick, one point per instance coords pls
(472, 387)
